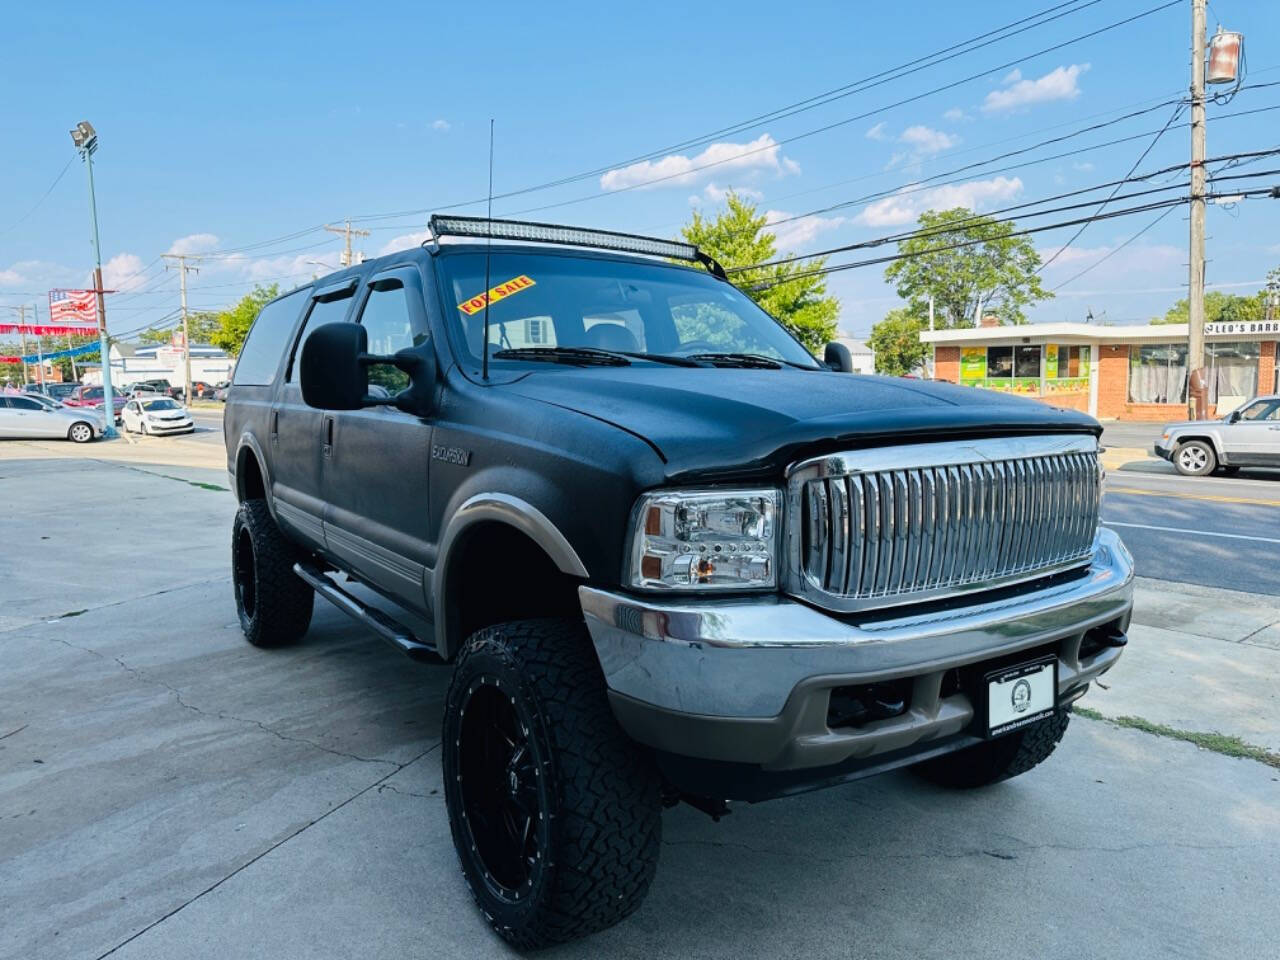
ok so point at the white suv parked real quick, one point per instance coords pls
(1248, 436)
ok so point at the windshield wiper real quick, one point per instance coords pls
(753, 360)
(607, 358)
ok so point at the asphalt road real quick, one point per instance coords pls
(1213, 531)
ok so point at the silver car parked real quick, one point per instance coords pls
(1248, 436)
(28, 417)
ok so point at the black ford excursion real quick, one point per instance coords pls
(671, 556)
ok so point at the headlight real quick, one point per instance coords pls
(692, 540)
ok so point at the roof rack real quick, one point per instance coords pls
(445, 226)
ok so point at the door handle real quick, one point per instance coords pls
(328, 437)
(275, 427)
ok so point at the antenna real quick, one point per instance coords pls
(484, 345)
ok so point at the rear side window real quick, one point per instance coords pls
(322, 312)
(260, 355)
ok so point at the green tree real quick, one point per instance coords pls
(234, 323)
(202, 324)
(1220, 307)
(896, 341)
(994, 270)
(737, 237)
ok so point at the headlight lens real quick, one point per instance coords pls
(692, 540)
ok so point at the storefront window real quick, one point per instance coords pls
(1026, 362)
(1158, 372)
(999, 362)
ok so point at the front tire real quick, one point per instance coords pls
(1195, 458)
(80, 432)
(555, 813)
(999, 759)
(274, 604)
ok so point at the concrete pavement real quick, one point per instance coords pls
(167, 790)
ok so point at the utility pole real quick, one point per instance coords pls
(347, 232)
(1195, 290)
(85, 139)
(183, 269)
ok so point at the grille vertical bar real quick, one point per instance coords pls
(900, 534)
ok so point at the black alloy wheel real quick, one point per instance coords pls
(503, 792)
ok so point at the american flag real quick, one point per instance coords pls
(73, 306)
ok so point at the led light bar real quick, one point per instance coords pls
(442, 226)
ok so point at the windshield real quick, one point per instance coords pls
(551, 300)
(165, 404)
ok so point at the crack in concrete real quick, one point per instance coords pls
(434, 795)
(12, 732)
(275, 846)
(1265, 626)
(56, 618)
(220, 715)
(1020, 848)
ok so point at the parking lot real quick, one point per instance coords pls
(167, 790)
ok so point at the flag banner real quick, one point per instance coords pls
(73, 306)
(50, 329)
(56, 355)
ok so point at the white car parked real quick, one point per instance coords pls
(158, 415)
(24, 416)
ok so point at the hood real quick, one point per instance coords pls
(1193, 424)
(728, 421)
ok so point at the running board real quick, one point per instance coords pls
(396, 634)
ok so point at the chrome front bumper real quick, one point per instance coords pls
(749, 680)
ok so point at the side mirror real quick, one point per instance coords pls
(838, 358)
(330, 371)
(334, 371)
(1233, 416)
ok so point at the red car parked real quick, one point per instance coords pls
(91, 396)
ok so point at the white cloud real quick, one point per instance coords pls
(794, 235)
(1147, 258)
(10, 277)
(1058, 84)
(717, 195)
(762, 154)
(877, 132)
(956, 115)
(406, 241)
(441, 125)
(194, 243)
(1084, 166)
(926, 140)
(122, 272)
(1013, 76)
(904, 207)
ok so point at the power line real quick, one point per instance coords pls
(1111, 253)
(1128, 211)
(858, 86)
(1177, 112)
(44, 196)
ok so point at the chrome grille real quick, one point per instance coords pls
(898, 525)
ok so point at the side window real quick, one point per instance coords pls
(1262, 410)
(322, 312)
(386, 319)
(260, 355)
(22, 403)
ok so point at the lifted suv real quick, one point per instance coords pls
(672, 557)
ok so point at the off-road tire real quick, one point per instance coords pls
(80, 432)
(274, 604)
(599, 824)
(999, 759)
(1195, 458)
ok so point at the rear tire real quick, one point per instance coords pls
(1195, 458)
(555, 813)
(999, 759)
(274, 604)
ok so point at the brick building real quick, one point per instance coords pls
(1114, 373)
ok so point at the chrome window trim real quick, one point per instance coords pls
(973, 510)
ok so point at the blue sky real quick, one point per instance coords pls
(226, 125)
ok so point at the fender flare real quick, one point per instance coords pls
(249, 442)
(513, 512)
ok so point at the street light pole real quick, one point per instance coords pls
(86, 140)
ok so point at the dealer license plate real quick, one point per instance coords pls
(1021, 695)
